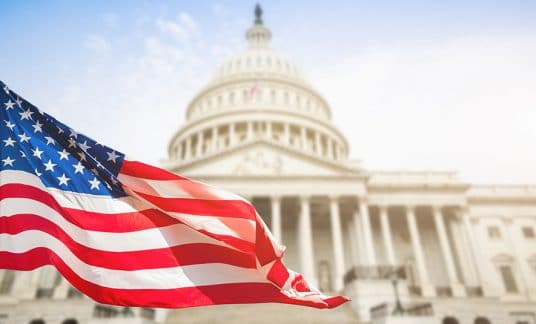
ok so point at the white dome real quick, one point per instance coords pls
(257, 94)
(258, 62)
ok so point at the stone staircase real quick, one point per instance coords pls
(262, 314)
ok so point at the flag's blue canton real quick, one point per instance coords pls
(36, 142)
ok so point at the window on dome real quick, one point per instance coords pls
(298, 101)
(248, 62)
(231, 98)
(268, 62)
(286, 98)
(259, 61)
(528, 232)
(219, 101)
(272, 96)
(245, 95)
(494, 232)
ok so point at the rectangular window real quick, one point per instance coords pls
(508, 279)
(528, 232)
(494, 232)
(7, 282)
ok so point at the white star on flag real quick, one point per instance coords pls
(27, 114)
(94, 183)
(24, 138)
(9, 124)
(37, 127)
(9, 142)
(112, 156)
(78, 168)
(9, 104)
(63, 179)
(49, 166)
(64, 155)
(8, 161)
(37, 153)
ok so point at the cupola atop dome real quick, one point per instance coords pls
(258, 35)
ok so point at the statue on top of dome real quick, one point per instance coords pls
(258, 14)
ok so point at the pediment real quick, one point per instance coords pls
(263, 158)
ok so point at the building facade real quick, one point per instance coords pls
(453, 252)
(467, 252)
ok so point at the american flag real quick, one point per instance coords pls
(127, 233)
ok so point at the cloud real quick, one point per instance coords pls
(182, 29)
(465, 104)
(97, 44)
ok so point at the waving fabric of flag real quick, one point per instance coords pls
(127, 233)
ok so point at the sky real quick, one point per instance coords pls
(414, 85)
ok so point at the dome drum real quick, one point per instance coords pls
(214, 137)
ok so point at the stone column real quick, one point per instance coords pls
(305, 236)
(249, 135)
(336, 235)
(232, 134)
(188, 150)
(303, 138)
(276, 218)
(367, 233)
(269, 130)
(426, 287)
(215, 139)
(356, 222)
(386, 233)
(178, 151)
(200, 140)
(318, 143)
(330, 149)
(286, 133)
(456, 287)
(474, 248)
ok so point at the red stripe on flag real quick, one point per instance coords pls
(104, 222)
(142, 170)
(180, 255)
(236, 293)
(203, 207)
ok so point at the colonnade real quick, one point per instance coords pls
(363, 227)
(217, 137)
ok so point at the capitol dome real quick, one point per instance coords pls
(257, 95)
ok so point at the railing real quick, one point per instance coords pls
(44, 293)
(382, 272)
(107, 311)
(379, 311)
(384, 310)
(73, 293)
(425, 309)
(415, 290)
(444, 292)
(474, 291)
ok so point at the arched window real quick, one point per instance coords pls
(482, 320)
(70, 321)
(450, 320)
(37, 321)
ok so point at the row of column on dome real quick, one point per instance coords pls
(224, 136)
(256, 94)
(352, 227)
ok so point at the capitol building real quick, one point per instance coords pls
(406, 247)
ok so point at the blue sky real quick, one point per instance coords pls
(445, 85)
